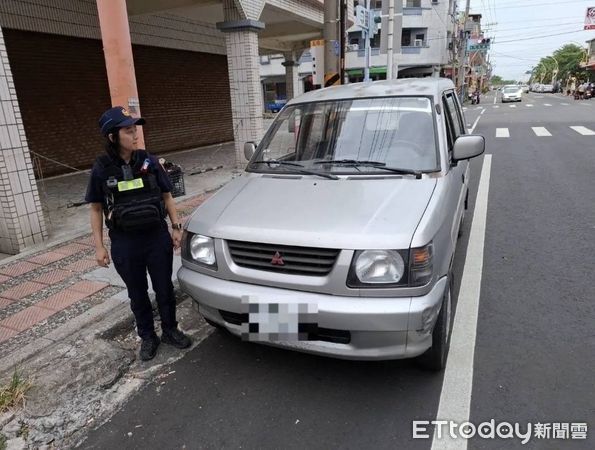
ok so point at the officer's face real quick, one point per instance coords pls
(128, 138)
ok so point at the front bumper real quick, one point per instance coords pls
(379, 328)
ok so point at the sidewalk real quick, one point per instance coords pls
(47, 287)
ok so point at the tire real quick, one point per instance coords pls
(434, 359)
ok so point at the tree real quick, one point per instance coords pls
(567, 59)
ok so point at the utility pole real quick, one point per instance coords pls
(332, 45)
(391, 31)
(343, 37)
(463, 54)
(366, 33)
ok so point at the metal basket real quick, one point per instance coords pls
(176, 176)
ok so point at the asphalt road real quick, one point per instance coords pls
(535, 345)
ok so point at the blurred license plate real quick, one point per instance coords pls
(278, 321)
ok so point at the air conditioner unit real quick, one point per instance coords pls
(418, 43)
(353, 47)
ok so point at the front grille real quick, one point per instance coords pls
(295, 260)
(318, 334)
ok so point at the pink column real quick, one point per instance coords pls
(117, 48)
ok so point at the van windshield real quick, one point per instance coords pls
(398, 132)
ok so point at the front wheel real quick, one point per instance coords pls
(435, 357)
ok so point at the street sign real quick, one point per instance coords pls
(479, 47)
(362, 17)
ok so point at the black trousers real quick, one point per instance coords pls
(135, 254)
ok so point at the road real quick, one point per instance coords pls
(534, 355)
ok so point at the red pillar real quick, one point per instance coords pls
(117, 48)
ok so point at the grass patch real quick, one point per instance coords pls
(13, 393)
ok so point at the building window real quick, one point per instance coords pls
(406, 38)
(420, 37)
(413, 4)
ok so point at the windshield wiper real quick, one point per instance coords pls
(376, 164)
(299, 168)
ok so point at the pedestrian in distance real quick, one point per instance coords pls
(131, 191)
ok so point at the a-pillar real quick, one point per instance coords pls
(241, 39)
(21, 216)
(292, 79)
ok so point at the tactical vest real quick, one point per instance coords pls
(132, 199)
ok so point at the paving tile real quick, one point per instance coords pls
(22, 290)
(5, 302)
(3, 278)
(20, 268)
(88, 287)
(61, 300)
(26, 318)
(81, 265)
(88, 241)
(7, 333)
(53, 277)
(71, 249)
(47, 258)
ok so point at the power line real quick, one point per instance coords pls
(539, 37)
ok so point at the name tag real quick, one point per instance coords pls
(137, 183)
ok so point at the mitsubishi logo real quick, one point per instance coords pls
(277, 260)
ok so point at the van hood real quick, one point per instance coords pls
(350, 213)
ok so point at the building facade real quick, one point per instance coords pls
(197, 71)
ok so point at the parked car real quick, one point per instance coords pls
(525, 88)
(547, 88)
(339, 238)
(512, 94)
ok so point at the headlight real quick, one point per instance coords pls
(379, 267)
(200, 249)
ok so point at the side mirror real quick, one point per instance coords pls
(468, 146)
(249, 150)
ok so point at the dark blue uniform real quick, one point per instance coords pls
(135, 253)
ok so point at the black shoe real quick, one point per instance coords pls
(176, 338)
(148, 348)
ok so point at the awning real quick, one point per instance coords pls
(360, 72)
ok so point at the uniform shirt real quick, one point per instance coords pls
(95, 187)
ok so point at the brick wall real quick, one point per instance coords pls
(62, 89)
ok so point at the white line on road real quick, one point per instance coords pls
(472, 129)
(479, 107)
(455, 397)
(529, 106)
(502, 133)
(496, 106)
(565, 104)
(482, 111)
(584, 131)
(541, 131)
(546, 104)
(495, 99)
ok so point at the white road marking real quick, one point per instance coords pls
(541, 131)
(455, 397)
(496, 106)
(512, 106)
(529, 106)
(584, 131)
(546, 104)
(465, 108)
(479, 107)
(502, 133)
(495, 99)
(565, 104)
(472, 129)
(482, 111)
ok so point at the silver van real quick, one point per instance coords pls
(339, 237)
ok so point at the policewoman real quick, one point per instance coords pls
(130, 190)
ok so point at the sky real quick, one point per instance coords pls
(524, 31)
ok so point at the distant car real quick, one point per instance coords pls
(547, 88)
(512, 94)
(525, 88)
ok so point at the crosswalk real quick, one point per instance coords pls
(544, 132)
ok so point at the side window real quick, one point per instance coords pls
(450, 132)
(455, 115)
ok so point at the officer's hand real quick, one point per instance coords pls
(177, 238)
(102, 257)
